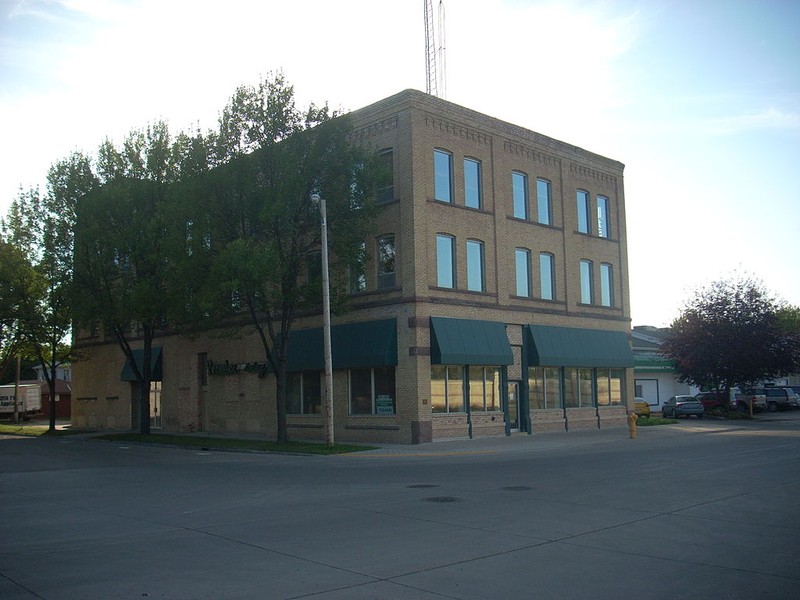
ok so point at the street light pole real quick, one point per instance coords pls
(326, 322)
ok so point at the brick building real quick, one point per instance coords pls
(496, 301)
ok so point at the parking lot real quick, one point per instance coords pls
(701, 509)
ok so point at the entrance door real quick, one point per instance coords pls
(512, 414)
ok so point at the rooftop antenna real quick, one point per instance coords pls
(435, 59)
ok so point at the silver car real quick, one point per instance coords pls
(682, 406)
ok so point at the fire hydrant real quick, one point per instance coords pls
(632, 424)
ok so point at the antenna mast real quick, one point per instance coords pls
(435, 60)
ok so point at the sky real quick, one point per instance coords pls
(700, 99)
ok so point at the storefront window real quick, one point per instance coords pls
(581, 387)
(617, 377)
(585, 388)
(372, 391)
(484, 389)
(447, 389)
(303, 393)
(603, 388)
(544, 387)
(571, 388)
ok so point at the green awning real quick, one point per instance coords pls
(465, 342)
(156, 369)
(572, 347)
(354, 345)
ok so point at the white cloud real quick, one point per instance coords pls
(770, 118)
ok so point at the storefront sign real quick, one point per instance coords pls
(228, 368)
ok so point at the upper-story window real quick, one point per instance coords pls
(547, 276)
(606, 284)
(386, 185)
(475, 277)
(587, 286)
(583, 211)
(445, 261)
(442, 176)
(472, 183)
(603, 222)
(358, 278)
(519, 186)
(522, 259)
(386, 262)
(543, 204)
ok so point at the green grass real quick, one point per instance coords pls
(23, 429)
(652, 421)
(210, 443)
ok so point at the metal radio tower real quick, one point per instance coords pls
(435, 59)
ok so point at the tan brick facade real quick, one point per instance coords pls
(412, 125)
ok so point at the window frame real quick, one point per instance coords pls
(438, 177)
(606, 284)
(551, 276)
(603, 217)
(473, 245)
(386, 279)
(583, 201)
(385, 194)
(545, 204)
(517, 202)
(525, 255)
(473, 200)
(441, 265)
(586, 269)
(357, 274)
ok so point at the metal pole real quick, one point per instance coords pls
(326, 323)
(16, 392)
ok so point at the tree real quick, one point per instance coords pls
(731, 334)
(41, 229)
(265, 237)
(14, 269)
(121, 257)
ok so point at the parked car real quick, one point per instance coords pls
(796, 390)
(678, 406)
(711, 400)
(743, 399)
(641, 407)
(779, 398)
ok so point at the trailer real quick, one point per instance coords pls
(30, 400)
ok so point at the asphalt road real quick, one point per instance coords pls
(703, 509)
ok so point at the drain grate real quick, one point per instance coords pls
(442, 499)
(517, 488)
(422, 485)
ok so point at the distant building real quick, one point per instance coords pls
(655, 377)
(496, 302)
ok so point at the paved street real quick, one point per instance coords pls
(702, 509)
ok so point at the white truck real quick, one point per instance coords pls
(30, 400)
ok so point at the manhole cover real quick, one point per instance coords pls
(517, 488)
(442, 499)
(423, 485)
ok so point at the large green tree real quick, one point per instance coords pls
(731, 334)
(264, 228)
(122, 241)
(41, 228)
(14, 269)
